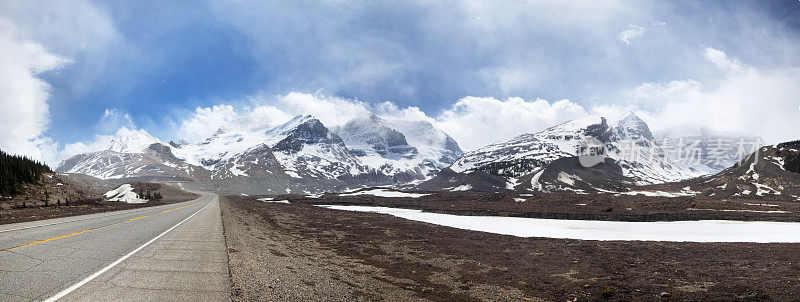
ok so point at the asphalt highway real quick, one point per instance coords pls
(169, 252)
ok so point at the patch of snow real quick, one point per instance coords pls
(580, 204)
(512, 183)
(677, 231)
(465, 187)
(125, 194)
(243, 194)
(535, 184)
(526, 195)
(519, 199)
(750, 171)
(386, 193)
(765, 189)
(566, 178)
(749, 211)
(661, 193)
(778, 161)
(59, 184)
(292, 174)
(762, 204)
(272, 200)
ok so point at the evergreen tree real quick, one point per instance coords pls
(16, 171)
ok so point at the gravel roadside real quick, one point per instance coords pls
(268, 262)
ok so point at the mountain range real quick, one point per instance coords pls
(301, 155)
(304, 156)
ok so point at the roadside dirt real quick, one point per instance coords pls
(299, 252)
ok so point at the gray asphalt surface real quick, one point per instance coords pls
(42, 259)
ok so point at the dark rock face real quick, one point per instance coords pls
(599, 131)
(256, 161)
(163, 151)
(309, 133)
(791, 159)
(569, 173)
(476, 181)
(512, 168)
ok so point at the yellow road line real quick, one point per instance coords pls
(102, 227)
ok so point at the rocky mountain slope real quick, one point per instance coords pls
(772, 172)
(154, 162)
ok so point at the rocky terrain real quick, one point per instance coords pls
(61, 195)
(58, 189)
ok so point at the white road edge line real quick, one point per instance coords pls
(75, 286)
(87, 218)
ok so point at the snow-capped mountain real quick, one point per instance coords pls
(306, 148)
(130, 141)
(523, 160)
(378, 145)
(370, 134)
(631, 127)
(719, 150)
(432, 143)
(301, 147)
(131, 153)
(155, 161)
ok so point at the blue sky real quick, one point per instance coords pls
(159, 61)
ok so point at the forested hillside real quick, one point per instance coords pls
(18, 170)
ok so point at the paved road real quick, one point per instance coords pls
(170, 252)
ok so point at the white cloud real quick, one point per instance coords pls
(114, 119)
(633, 32)
(37, 37)
(268, 111)
(329, 110)
(721, 60)
(745, 99)
(476, 121)
(23, 94)
(472, 121)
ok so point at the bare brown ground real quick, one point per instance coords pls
(299, 252)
